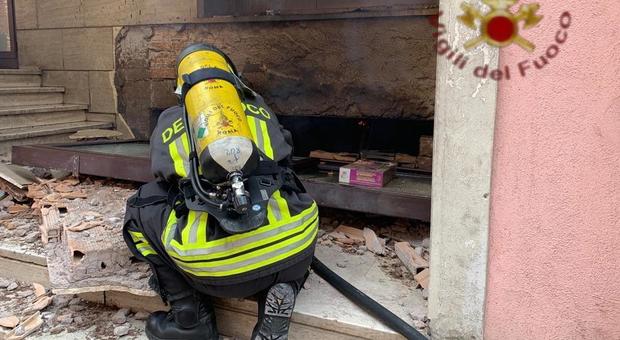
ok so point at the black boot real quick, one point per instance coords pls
(189, 318)
(275, 311)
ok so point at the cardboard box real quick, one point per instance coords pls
(367, 173)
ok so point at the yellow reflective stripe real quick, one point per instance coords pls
(174, 252)
(224, 242)
(137, 236)
(191, 223)
(176, 149)
(145, 249)
(141, 243)
(267, 149)
(252, 124)
(277, 208)
(260, 133)
(201, 269)
(286, 214)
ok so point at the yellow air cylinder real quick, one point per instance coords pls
(216, 117)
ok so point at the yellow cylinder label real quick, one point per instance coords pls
(214, 107)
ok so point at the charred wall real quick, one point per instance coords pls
(381, 67)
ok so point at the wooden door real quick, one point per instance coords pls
(8, 44)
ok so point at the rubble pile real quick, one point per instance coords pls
(402, 247)
(29, 310)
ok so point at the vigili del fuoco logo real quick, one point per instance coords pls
(500, 26)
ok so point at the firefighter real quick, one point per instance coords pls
(194, 258)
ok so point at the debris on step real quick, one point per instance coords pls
(120, 317)
(426, 146)
(140, 316)
(96, 134)
(15, 180)
(373, 243)
(12, 286)
(9, 321)
(17, 209)
(408, 256)
(340, 156)
(121, 330)
(27, 327)
(51, 226)
(352, 233)
(422, 278)
(41, 303)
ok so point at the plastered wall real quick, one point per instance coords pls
(555, 202)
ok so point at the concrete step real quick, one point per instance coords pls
(26, 77)
(320, 312)
(46, 134)
(26, 96)
(37, 115)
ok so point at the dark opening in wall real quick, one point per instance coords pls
(336, 134)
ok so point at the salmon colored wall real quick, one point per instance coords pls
(554, 256)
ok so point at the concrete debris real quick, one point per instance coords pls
(18, 209)
(65, 319)
(352, 233)
(39, 290)
(41, 303)
(121, 330)
(419, 324)
(120, 317)
(77, 308)
(141, 316)
(5, 283)
(27, 327)
(57, 329)
(9, 321)
(426, 243)
(408, 256)
(422, 278)
(373, 243)
(12, 286)
(62, 301)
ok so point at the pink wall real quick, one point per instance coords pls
(554, 258)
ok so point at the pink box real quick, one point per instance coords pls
(367, 173)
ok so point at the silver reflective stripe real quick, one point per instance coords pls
(181, 150)
(242, 242)
(173, 230)
(275, 208)
(193, 233)
(252, 260)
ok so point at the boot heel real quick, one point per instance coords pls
(279, 306)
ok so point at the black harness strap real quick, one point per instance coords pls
(189, 80)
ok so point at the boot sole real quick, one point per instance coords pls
(278, 311)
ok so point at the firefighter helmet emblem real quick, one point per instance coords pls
(500, 27)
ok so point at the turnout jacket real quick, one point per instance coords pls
(193, 241)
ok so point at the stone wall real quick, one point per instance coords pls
(5, 41)
(382, 67)
(118, 56)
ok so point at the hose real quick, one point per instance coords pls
(365, 302)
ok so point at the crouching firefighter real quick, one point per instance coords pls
(226, 216)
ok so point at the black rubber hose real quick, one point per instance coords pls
(365, 302)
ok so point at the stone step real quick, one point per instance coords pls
(25, 77)
(46, 134)
(320, 313)
(37, 115)
(27, 96)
